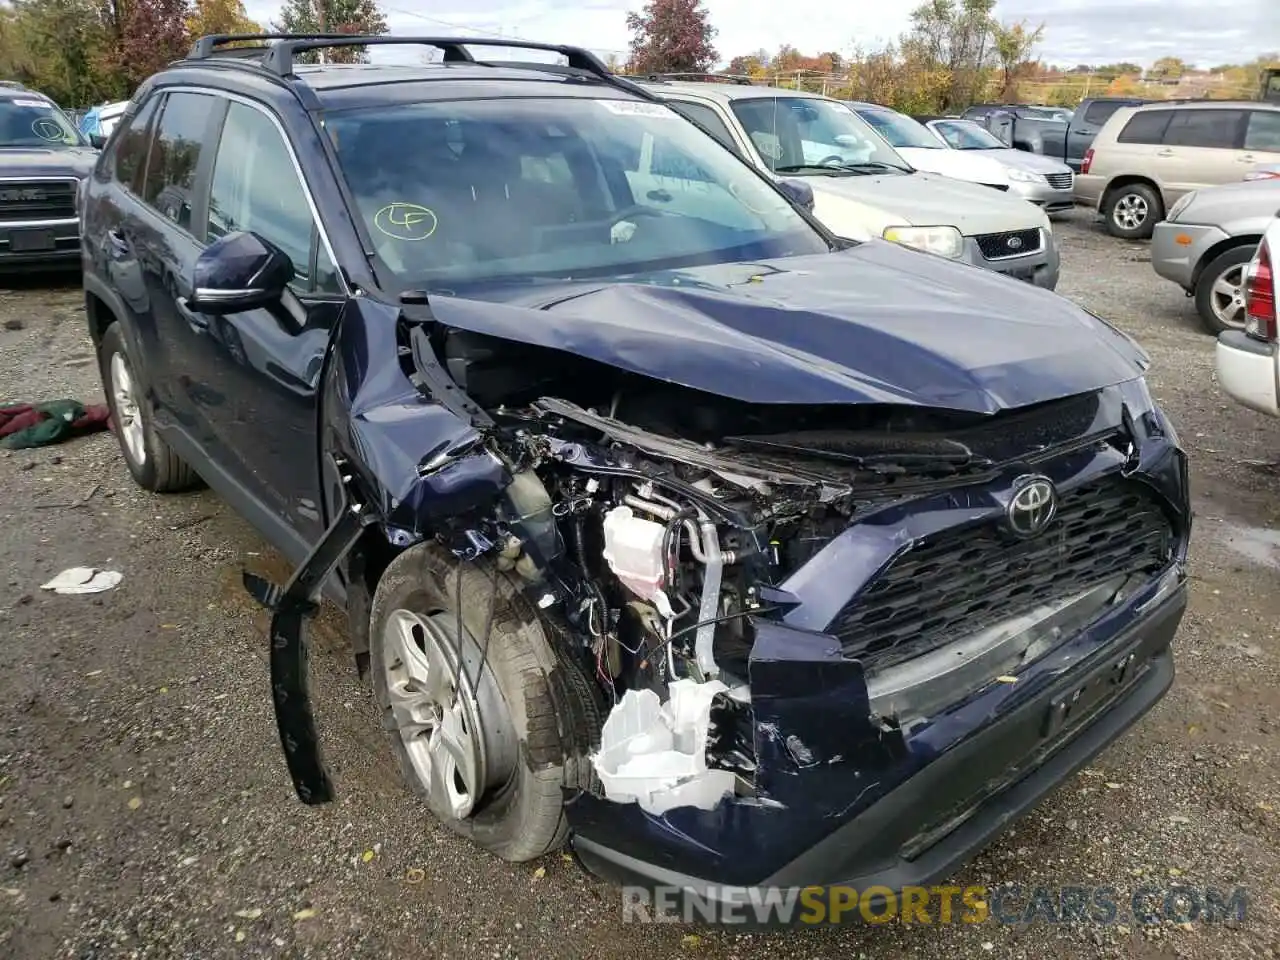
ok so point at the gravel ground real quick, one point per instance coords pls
(145, 810)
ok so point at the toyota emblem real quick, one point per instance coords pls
(1032, 507)
(1014, 243)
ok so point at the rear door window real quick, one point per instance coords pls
(1146, 127)
(1220, 129)
(181, 134)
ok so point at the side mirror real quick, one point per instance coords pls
(97, 141)
(798, 192)
(239, 272)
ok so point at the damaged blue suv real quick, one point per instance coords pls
(670, 527)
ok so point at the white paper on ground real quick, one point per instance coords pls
(83, 580)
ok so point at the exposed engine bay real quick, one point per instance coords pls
(654, 520)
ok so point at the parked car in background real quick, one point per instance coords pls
(668, 526)
(1147, 157)
(1038, 179)
(1207, 241)
(98, 122)
(922, 149)
(1032, 130)
(1248, 360)
(864, 188)
(43, 159)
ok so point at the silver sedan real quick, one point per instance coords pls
(1042, 180)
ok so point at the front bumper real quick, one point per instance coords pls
(1248, 370)
(843, 796)
(1044, 196)
(1177, 248)
(57, 244)
(1041, 268)
(973, 793)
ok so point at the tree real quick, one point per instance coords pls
(150, 35)
(1013, 46)
(220, 16)
(1168, 68)
(952, 37)
(671, 36)
(332, 16)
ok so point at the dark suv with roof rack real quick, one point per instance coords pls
(43, 158)
(668, 524)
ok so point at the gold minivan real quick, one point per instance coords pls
(1146, 157)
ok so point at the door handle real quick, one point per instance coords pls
(1164, 153)
(1247, 158)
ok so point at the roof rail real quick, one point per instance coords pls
(739, 78)
(277, 58)
(208, 45)
(12, 85)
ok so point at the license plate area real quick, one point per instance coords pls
(32, 241)
(1075, 705)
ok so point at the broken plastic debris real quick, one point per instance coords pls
(253, 913)
(654, 754)
(304, 914)
(1006, 679)
(83, 580)
(539, 873)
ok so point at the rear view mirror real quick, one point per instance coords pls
(240, 271)
(798, 192)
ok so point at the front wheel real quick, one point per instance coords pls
(1133, 211)
(489, 715)
(152, 464)
(1220, 291)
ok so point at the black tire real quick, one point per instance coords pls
(1225, 262)
(159, 469)
(1125, 199)
(555, 711)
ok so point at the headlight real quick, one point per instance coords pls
(944, 241)
(1024, 176)
(1180, 207)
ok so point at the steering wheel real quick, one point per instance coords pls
(835, 160)
(635, 210)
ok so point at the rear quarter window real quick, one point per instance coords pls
(1220, 129)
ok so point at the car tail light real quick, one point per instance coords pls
(1088, 161)
(1260, 297)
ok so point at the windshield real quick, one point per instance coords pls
(901, 131)
(790, 133)
(966, 135)
(484, 190)
(33, 122)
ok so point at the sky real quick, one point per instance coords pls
(1076, 31)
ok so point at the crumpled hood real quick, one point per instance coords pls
(874, 324)
(957, 164)
(47, 162)
(922, 200)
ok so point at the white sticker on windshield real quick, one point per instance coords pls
(637, 108)
(29, 103)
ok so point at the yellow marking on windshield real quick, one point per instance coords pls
(406, 221)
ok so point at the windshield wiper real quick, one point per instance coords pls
(828, 170)
(870, 165)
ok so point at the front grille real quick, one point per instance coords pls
(964, 581)
(37, 200)
(1060, 181)
(1003, 246)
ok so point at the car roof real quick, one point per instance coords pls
(1202, 105)
(725, 91)
(272, 67)
(16, 93)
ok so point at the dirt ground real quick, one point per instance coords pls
(145, 810)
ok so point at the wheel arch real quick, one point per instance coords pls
(1218, 249)
(1129, 180)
